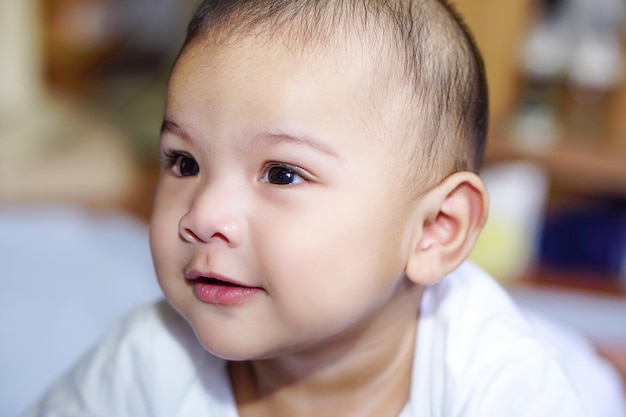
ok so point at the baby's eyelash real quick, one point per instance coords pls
(168, 159)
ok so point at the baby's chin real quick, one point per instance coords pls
(234, 351)
(241, 352)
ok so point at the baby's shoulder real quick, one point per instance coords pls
(477, 349)
(152, 328)
(147, 365)
(478, 319)
(154, 335)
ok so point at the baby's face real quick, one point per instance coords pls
(278, 224)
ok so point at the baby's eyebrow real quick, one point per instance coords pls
(299, 140)
(171, 127)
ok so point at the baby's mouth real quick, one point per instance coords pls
(220, 290)
(194, 277)
(215, 281)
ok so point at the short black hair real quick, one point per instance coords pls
(440, 62)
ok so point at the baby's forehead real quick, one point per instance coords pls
(353, 74)
(350, 52)
(346, 59)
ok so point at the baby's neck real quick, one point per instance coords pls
(368, 377)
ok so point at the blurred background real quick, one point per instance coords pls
(82, 86)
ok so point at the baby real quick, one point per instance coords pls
(317, 200)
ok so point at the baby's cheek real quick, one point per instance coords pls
(164, 248)
(158, 244)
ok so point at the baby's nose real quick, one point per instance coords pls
(214, 216)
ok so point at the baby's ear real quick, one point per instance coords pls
(449, 218)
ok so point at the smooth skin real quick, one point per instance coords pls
(275, 177)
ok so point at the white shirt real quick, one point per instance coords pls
(475, 355)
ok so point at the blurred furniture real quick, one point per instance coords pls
(53, 149)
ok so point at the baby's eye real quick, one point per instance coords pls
(186, 166)
(182, 165)
(282, 174)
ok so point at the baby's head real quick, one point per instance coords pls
(422, 60)
(317, 160)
